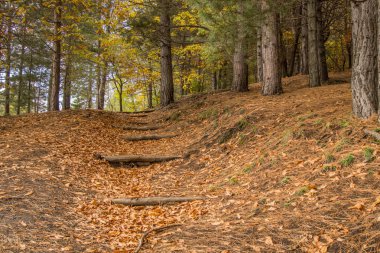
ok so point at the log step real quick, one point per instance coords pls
(141, 128)
(153, 201)
(148, 137)
(137, 159)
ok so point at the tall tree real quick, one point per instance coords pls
(167, 84)
(240, 67)
(271, 56)
(56, 71)
(313, 41)
(8, 61)
(364, 70)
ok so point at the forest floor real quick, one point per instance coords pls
(290, 173)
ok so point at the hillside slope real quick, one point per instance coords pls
(291, 173)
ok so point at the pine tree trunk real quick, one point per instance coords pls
(54, 97)
(67, 83)
(324, 74)
(89, 87)
(239, 82)
(304, 40)
(8, 63)
(313, 41)
(364, 70)
(297, 32)
(259, 53)
(271, 58)
(29, 108)
(21, 80)
(167, 85)
(102, 87)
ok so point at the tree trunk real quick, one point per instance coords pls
(364, 70)
(314, 72)
(259, 60)
(297, 32)
(167, 85)
(89, 87)
(30, 83)
(282, 52)
(67, 83)
(240, 73)
(304, 40)
(8, 63)
(322, 37)
(54, 97)
(102, 87)
(271, 62)
(21, 79)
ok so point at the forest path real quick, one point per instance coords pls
(261, 161)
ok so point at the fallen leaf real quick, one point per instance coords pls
(268, 240)
(360, 206)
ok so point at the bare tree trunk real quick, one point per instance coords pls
(89, 87)
(102, 87)
(364, 70)
(240, 73)
(167, 85)
(259, 53)
(314, 71)
(271, 61)
(67, 83)
(304, 40)
(297, 32)
(21, 79)
(322, 37)
(54, 97)
(8, 63)
(29, 108)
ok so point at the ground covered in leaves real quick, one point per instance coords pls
(291, 173)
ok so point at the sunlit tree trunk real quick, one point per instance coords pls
(29, 108)
(89, 87)
(322, 38)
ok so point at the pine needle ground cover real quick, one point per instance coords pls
(290, 173)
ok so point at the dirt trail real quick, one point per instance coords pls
(260, 160)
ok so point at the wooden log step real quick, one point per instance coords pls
(374, 134)
(138, 159)
(153, 201)
(149, 137)
(141, 128)
(139, 112)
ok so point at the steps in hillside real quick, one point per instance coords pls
(149, 137)
(136, 160)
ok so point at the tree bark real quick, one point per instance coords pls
(102, 87)
(322, 37)
(364, 71)
(297, 32)
(167, 85)
(271, 61)
(67, 83)
(259, 54)
(29, 108)
(314, 63)
(21, 80)
(240, 73)
(304, 40)
(54, 97)
(89, 87)
(8, 63)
